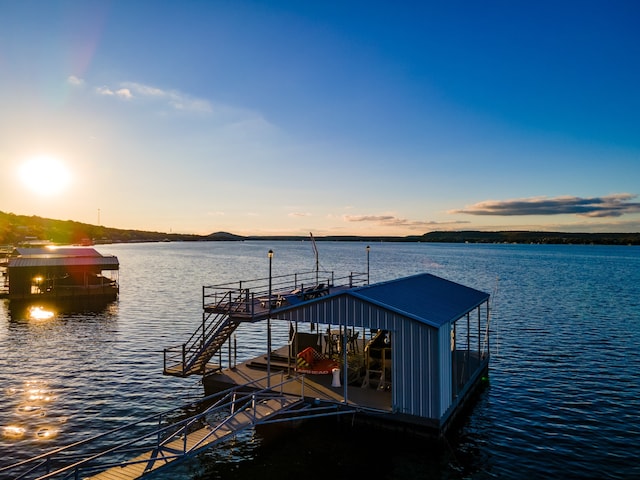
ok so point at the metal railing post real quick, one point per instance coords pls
(203, 329)
(253, 406)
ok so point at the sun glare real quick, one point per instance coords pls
(45, 175)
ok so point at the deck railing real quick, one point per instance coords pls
(243, 294)
(188, 353)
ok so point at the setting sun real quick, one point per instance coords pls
(45, 175)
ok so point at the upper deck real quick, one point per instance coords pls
(251, 300)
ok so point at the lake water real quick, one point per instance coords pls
(564, 395)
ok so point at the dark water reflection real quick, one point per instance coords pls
(564, 399)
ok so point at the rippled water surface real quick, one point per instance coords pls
(564, 399)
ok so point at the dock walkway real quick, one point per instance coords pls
(195, 441)
(145, 446)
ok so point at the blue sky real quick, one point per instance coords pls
(367, 118)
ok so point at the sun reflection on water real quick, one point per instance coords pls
(30, 409)
(13, 431)
(45, 433)
(31, 419)
(39, 313)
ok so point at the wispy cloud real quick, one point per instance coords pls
(299, 214)
(393, 221)
(121, 92)
(75, 81)
(606, 206)
(172, 98)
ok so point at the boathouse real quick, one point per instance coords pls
(430, 334)
(61, 273)
(409, 351)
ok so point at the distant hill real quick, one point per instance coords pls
(533, 237)
(224, 236)
(16, 229)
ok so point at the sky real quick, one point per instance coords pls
(331, 117)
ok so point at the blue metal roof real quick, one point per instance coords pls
(424, 297)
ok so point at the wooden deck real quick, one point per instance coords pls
(309, 386)
(195, 441)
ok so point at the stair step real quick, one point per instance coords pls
(199, 358)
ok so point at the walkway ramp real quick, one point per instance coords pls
(160, 440)
(193, 442)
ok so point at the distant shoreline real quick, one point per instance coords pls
(22, 229)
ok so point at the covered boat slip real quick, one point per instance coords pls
(423, 346)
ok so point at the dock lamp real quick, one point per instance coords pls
(368, 250)
(270, 255)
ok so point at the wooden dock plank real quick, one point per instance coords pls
(196, 440)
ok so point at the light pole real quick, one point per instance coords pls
(364, 331)
(368, 250)
(270, 255)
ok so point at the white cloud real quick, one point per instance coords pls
(173, 98)
(104, 91)
(124, 93)
(75, 81)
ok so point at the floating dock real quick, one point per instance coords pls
(423, 340)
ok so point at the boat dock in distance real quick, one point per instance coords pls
(54, 274)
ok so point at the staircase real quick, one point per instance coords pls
(225, 306)
(192, 357)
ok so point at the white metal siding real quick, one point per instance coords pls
(444, 368)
